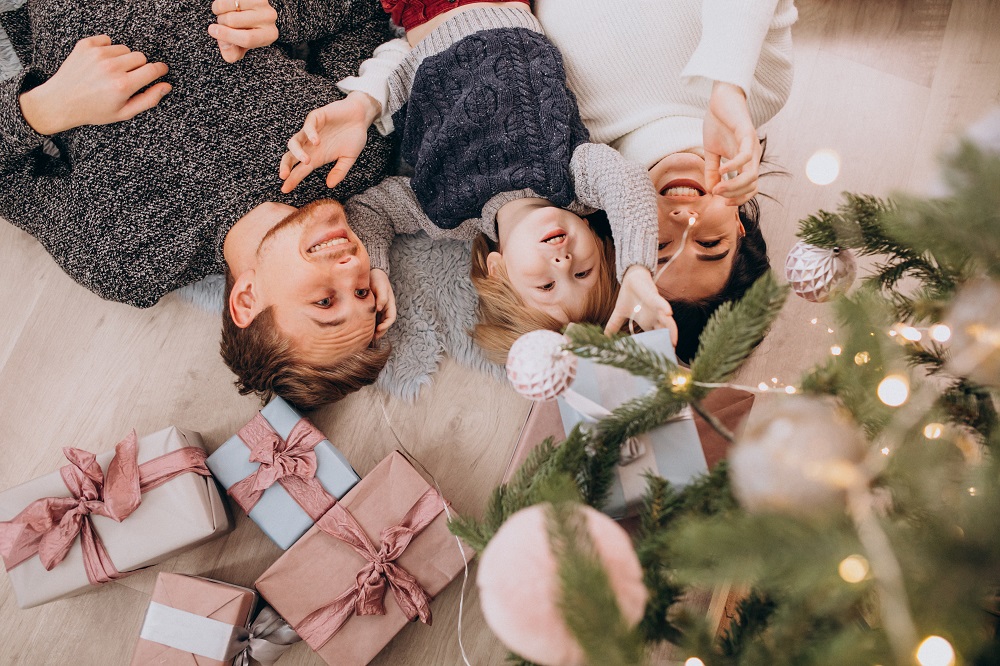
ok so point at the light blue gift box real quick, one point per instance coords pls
(672, 450)
(277, 513)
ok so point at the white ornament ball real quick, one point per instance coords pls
(538, 367)
(797, 456)
(817, 274)
(519, 584)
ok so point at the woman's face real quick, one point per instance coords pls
(702, 269)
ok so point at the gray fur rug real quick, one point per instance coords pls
(435, 310)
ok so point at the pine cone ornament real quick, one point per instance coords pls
(538, 367)
(816, 273)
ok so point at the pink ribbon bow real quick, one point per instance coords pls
(49, 526)
(367, 597)
(291, 462)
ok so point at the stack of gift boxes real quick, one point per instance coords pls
(363, 556)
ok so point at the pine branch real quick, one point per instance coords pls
(589, 341)
(587, 601)
(735, 330)
(658, 506)
(752, 615)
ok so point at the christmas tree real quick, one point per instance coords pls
(861, 516)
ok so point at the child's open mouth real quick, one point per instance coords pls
(555, 237)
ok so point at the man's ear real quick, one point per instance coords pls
(243, 299)
(494, 260)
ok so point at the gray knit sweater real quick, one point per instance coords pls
(136, 209)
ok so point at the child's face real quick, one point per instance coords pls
(552, 260)
(704, 267)
(315, 273)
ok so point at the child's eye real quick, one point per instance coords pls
(710, 243)
(324, 303)
(548, 286)
(361, 293)
(582, 274)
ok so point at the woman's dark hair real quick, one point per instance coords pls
(751, 262)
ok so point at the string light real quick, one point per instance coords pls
(790, 390)
(935, 651)
(911, 334)
(972, 491)
(679, 380)
(894, 390)
(814, 321)
(823, 167)
(762, 386)
(862, 357)
(836, 350)
(853, 569)
(885, 450)
(829, 330)
(694, 661)
(940, 333)
(933, 430)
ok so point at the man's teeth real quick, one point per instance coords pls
(329, 243)
(554, 239)
(682, 192)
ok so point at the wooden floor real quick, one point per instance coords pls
(885, 84)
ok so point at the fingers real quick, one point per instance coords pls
(296, 176)
(248, 38)
(296, 148)
(138, 79)
(96, 40)
(230, 52)
(712, 175)
(130, 60)
(388, 319)
(145, 100)
(615, 323)
(312, 125)
(285, 166)
(339, 171)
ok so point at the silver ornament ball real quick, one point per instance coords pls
(817, 274)
(538, 367)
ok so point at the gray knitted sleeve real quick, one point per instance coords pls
(381, 213)
(606, 180)
(17, 138)
(305, 20)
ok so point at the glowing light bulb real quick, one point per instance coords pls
(790, 390)
(940, 333)
(853, 569)
(694, 661)
(894, 390)
(836, 350)
(762, 386)
(935, 651)
(774, 380)
(862, 357)
(814, 321)
(679, 380)
(823, 167)
(911, 334)
(893, 333)
(972, 491)
(691, 221)
(829, 330)
(933, 430)
(885, 450)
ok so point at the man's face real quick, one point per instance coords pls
(704, 266)
(552, 259)
(314, 272)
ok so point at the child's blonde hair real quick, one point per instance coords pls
(503, 314)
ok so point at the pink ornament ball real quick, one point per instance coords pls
(538, 367)
(519, 584)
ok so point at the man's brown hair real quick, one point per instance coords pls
(503, 314)
(265, 363)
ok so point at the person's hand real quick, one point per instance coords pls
(334, 133)
(639, 291)
(97, 84)
(243, 25)
(385, 301)
(729, 133)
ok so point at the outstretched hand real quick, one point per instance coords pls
(99, 83)
(243, 25)
(638, 299)
(729, 133)
(334, 133)
(385, 301)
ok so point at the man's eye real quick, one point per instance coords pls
(324, 303)
(548, 286)
(582, 274)
(361, 293)
(710, 243)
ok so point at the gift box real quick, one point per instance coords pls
(102, 517)
(678, 450)
(282, 471)
(369, 565)
(202, 622)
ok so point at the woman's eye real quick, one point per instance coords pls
(548, 286)
(661, 247)
(710, 243)
(361, 293)
(324, 303)
(582, 274)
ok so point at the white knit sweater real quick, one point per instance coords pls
(642, 70)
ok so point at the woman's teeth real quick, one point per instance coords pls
(555, 239)
(682, 192)
(334, 241)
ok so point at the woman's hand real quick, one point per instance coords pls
(243, 25)
(729, 133)
(334, 133)
(97, 84)
(638, 292)
(385, 301)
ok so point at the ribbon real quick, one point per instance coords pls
(266, 640)
(290, 462)
(367, 597)
(632, 448)
(49, 526)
